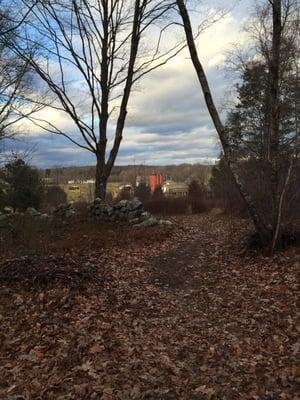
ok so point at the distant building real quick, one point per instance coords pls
(155, 181)
(48, 181)
(176, 189)
(89, 181)
(74, 188)
(141, 180)
(126, 189)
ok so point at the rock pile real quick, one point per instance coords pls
(9, 216)
(3, 218)
(32, 212)
(8, 210)
(36, 214)
(130, 211)
(127, 211)
(63, 211)
(99, 210)
(5, 215)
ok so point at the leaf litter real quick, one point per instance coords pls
(183, 314)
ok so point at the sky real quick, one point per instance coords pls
(167, 120)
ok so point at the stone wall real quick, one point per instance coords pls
(130, 211)
(125, 211)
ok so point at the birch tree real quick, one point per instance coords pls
(278, 16)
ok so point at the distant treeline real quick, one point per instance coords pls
(128, 173)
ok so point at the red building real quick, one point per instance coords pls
(155, 180)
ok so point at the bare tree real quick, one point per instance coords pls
(13, 21)
(284, 13)
(269, 235)
(15, 80)
(91, 53)
(12, 73)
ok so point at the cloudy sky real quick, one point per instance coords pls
(167, 120)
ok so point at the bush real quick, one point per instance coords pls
(125, 194)
(199, 205)
(53, 196)
(158, 193)
(167, 205)
(253, 174)
(225, 192)
(197, 197)
(195, 189)
(3, 193)
(142, 192)
(25, 185)
(82, 209)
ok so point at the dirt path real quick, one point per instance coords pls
(207, 251)
(242, 306)
(176, 267)
(180, 317)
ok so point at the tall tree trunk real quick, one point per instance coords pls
(278, 216)
(135, 39)
(274, 111)
(100, 180)
(262, 230)
(292, 163)
(103, 168)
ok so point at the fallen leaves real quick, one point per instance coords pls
(96, 348)
(184, 316)
(207, 391)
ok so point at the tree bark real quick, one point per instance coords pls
(274, 111)
(103, 168)
(100, 180)
(135, 39)
(262, 230)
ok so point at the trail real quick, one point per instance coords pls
(208, 252)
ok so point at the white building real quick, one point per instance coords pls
(176, 189)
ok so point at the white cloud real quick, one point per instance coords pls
(167, 118)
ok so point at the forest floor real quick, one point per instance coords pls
(183, 312)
